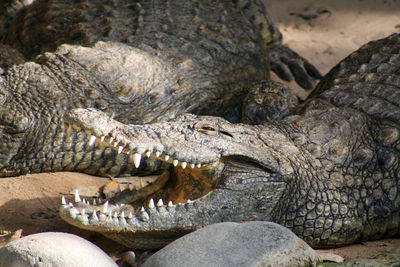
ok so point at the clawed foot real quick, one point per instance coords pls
(288, 65)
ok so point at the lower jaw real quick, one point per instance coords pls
(147, 241)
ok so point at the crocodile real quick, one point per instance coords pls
(330, 171)
(140, 62)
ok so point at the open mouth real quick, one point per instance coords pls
(176, 187)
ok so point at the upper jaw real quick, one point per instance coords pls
(141, 140)
(186, 141)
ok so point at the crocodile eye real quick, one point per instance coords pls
(207, 129)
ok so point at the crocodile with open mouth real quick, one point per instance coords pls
(330, 171)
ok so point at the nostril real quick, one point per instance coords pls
(226, 133)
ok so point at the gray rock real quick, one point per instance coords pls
(53, 249)
(236, 244)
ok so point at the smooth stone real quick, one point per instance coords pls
(236, 244)
(53, 249)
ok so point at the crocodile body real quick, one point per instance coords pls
(330, 171)
(158, 60)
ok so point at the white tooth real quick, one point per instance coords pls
(175, 162)
(136, 159)
(84, 201)
(94, 215)
(111, 140)
(166, 157)
(115, 215)
(130, 215)
(100, 201)
(92, 140)
(122, 215)
(184, 164)
(170, 204)
(94, 202)
(104, 209)
(142, 209)
(199, 165)
(192, 165)
(158, 153)
(63, 201)
(83, 212)
(109, 213)
(160, 203)
(148, 154)
(70, 205)
(151, 204)
(120, 148)
(77, 197)
(102, 138)
(189, 201)
(115, 144)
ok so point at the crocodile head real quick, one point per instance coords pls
(231, 172)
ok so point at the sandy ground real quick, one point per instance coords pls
(322, 31)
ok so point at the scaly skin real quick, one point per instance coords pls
(330, 172)
(179, 56)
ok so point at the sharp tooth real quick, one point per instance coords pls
(111, 140)
(104, 208)
(192, 165)
(142, 209)
(184, 164)
(189, 201)
(148, 154)
(136, 159)
(84, 201)
(115, 215)
(115, 144)
(94, 202)
(94, 215)
(63, 201)
(160, 203)
(109, 213)
(198, 165)
(70, 205)
(102, 138)
(166, 157)
(120, 148)
(175, 162)
(100, 201)
(158, 153)
(122, 215)
(130, 215)
(77, 197)
(83, 212)
(92, 140)
(170, 204)
(151, 204)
